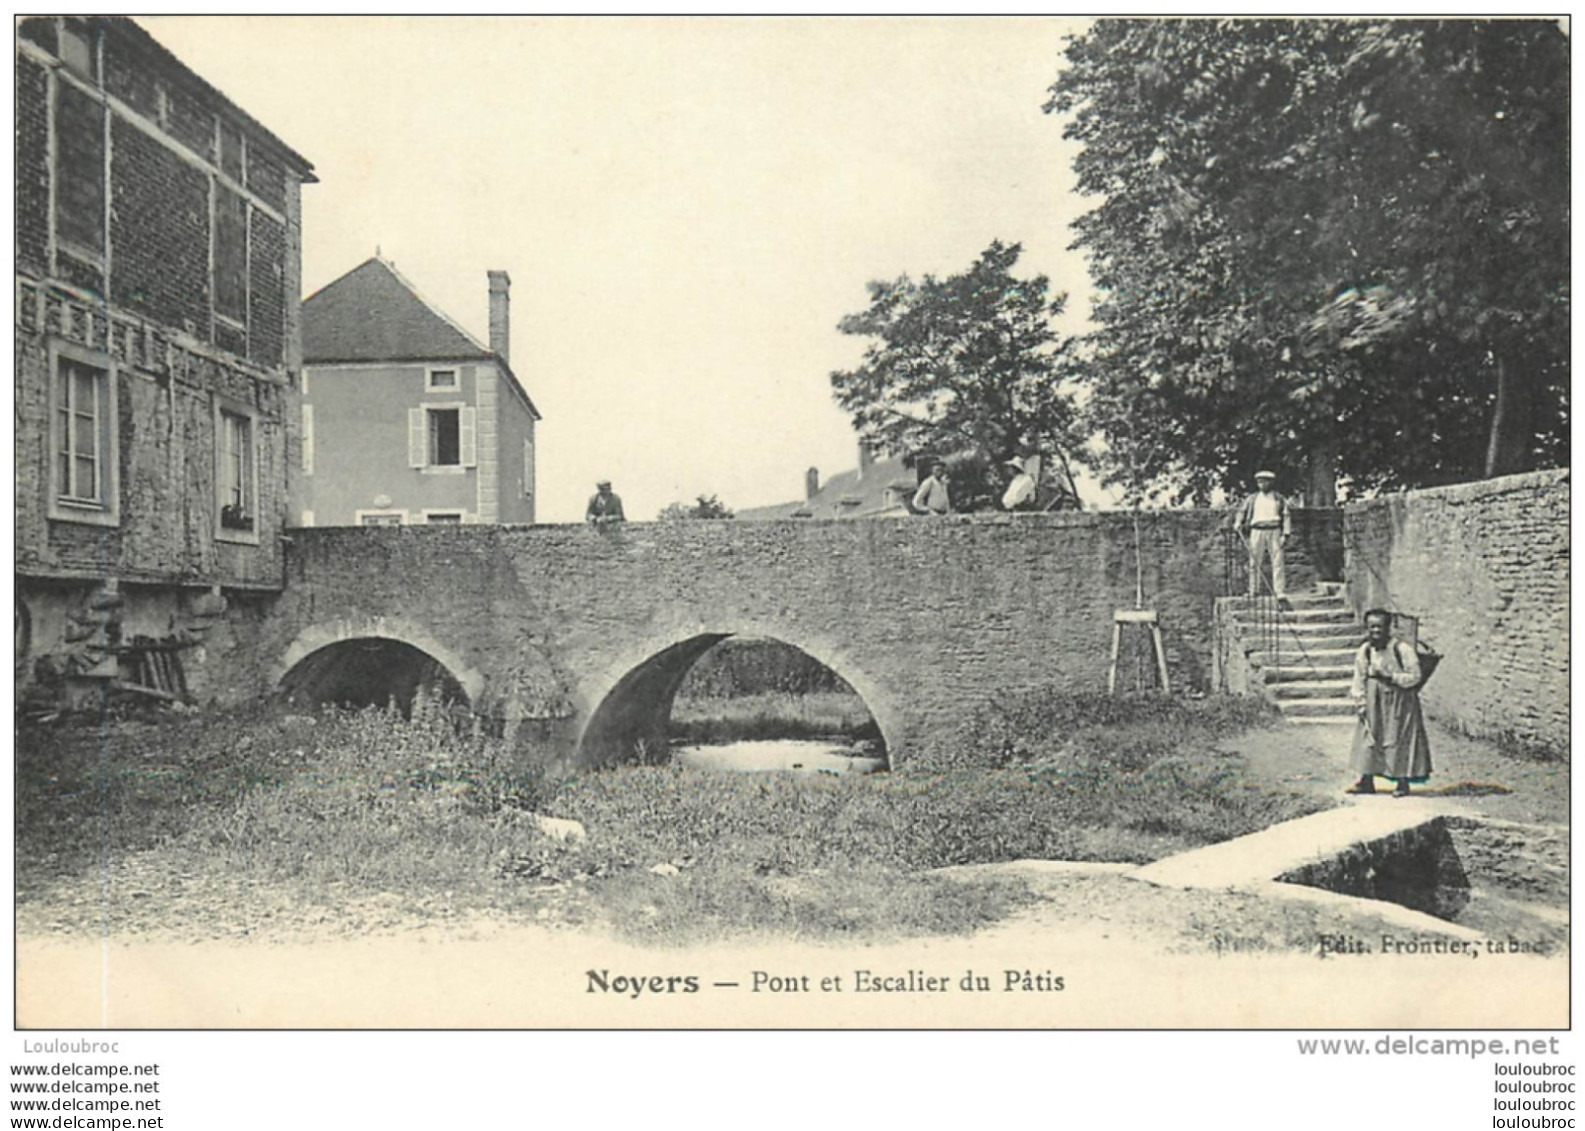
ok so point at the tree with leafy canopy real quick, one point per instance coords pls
(968, 367)
(704, 507)
(1337, 247)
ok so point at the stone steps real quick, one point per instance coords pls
(1304, 654)
(1312, 689)
(1317, 615)
(1348, 634)
(1319, 672)
(1307, 657)
(1312, 708)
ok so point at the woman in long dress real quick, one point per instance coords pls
(1390, 739)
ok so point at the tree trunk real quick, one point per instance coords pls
(1509, 443)
(1320, 474)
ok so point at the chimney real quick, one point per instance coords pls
(866, 457)
(501, 315)
(811, 483)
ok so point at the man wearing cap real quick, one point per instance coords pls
(1264, 524)
(605, 506)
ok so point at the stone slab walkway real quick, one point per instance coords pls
(1262, 857)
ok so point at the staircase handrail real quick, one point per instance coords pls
(1304, 653)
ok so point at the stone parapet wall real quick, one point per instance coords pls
(926, 618)
(1485, 568)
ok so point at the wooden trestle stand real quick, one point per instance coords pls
(1140, 617)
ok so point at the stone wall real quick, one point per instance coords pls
(926, 619)
(1485, 568)
(162, 479)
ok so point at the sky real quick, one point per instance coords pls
(687, 207)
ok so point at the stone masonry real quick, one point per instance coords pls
(1485, 566)
(589, 632)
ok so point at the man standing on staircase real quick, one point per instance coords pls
(1264, 525)
(1390, 739)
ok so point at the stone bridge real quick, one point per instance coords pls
(582, 637)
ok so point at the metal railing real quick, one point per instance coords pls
(1264, 624)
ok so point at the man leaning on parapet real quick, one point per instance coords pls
(1264, 524)
(605, 506)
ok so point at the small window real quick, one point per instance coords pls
(77, 48)
(238, 509)
(441, 381)
(443, 518)
(82, 426)
(382, 518)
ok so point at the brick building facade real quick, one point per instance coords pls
(157, 351)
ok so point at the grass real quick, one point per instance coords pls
(352, 806)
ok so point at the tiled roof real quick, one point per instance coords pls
(373, 314)
(846, 495)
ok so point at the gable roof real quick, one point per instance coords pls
(373, 314)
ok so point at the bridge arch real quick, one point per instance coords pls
(372, 659)
(628, 704)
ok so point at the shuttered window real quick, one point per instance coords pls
(442, 436)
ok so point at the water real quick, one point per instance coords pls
(797, 755)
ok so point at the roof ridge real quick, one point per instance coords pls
(419, 295)
(374, 312)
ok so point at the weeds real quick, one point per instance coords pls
(358, 805)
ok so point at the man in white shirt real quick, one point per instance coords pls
(1264, 524)
(934, 496)
(1021, 492)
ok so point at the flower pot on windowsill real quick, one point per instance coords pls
(235, 518)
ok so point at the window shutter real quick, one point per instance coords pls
(308, 439)
(468, 427)
(417, 438)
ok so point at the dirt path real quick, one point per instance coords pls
(1314, 759)
(1098, 951)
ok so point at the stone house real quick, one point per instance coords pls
(157, 353)
(406, 417)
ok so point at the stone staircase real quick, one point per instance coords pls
(1302, 657)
